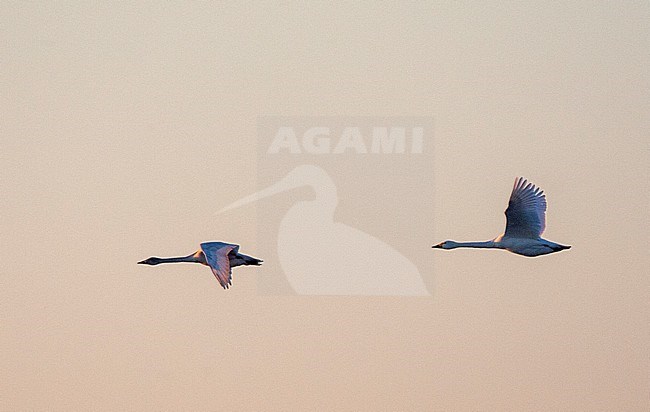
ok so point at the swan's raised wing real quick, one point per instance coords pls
(216, 254)
(525, 215)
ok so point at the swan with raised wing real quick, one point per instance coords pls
(525, 223)
(220, 256)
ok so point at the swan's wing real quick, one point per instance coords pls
(216, 254)
(525, 215)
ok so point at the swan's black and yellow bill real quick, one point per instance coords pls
(438, 246)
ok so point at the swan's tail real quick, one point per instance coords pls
(249, 260)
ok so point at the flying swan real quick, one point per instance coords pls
(525, 223)
(221, 257)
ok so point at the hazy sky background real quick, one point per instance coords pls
(124, 127)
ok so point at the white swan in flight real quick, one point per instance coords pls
(221, 257)
(525, 223)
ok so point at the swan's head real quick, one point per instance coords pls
(447, 244)
(151, 261)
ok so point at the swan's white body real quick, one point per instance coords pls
(525, 223)
(219, 256)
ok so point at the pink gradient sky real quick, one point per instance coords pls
(124, 127)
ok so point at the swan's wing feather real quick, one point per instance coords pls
(525, 215)
(217, 256)
(217, 245)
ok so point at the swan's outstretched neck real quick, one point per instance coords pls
(193, 258)
(189, 258)
(489, 244)
(450, 244)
